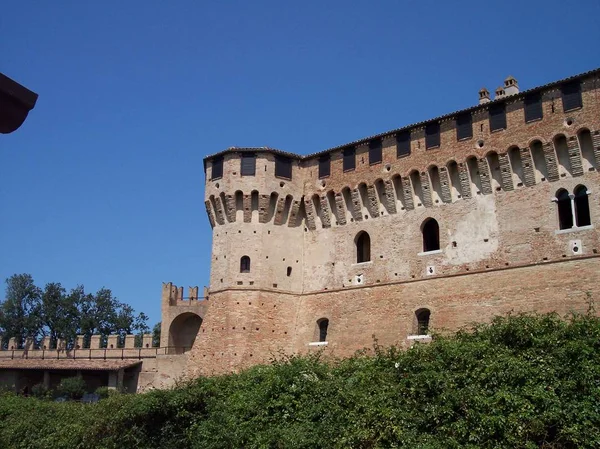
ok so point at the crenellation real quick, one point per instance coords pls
(506, 173)
(550, 157)
(465, 185)
(310, 214)
(294, 214)
(494, 242)
(484, 175)
(372, 201)
(390, 196)
(230, 208)
(407, 192)
(340, 208)
(574, 157)
(356, 205)
(445, 183)
(219, 210)
(325, 212)
(596, 145)
(278, 220)
(247, 204)
(209, 212)
(263, 208)
(527, 167)
(426, 189)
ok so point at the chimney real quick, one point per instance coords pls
(500, 93)
(484, 95)
(511, 86)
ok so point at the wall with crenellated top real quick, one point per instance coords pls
(493, 195)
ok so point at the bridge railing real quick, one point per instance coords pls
(88, 353)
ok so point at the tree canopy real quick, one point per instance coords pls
(29, 311)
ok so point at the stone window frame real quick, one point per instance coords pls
(575, 217)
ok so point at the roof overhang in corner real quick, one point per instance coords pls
(15, 103)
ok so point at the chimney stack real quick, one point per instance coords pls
(484, 95)
(500, 93)
(511, 86)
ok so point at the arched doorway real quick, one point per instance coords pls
(183, 331)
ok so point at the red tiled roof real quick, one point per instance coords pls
(68, 364)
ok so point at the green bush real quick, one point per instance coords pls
(41, 391)
(102, 392)
(72, 387)
(520, 382)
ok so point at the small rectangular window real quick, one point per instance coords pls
(349, 159)
(217, 168)
(324, 166)
(403, 144)
(248, 164)
(283, 167)
(374, 152)
(497, 117)
(571, 96)
(464, 126)
(432, 135)
(533, 107)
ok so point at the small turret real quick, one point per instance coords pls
(484, 95)
(511, 86)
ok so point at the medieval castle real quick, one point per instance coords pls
(433, 226)
(428, 227)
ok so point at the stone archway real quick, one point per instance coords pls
(183, 331)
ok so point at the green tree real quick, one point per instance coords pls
(156, 335)
(19, 312)
(29, 312)
(58, 313)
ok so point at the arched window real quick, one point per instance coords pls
(422, 321)
(323, 324)
(363, 247)
(245, 264)
(565, 214)
(431, 235)
(582, 206)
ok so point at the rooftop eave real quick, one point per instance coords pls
(15, 103)
(478, 107)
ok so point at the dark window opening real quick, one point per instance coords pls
(324, 166)
(431, 235)
(374, 152)
(403, 144)
(363, 247)
(533, 107)
(582, 206)
(565, 214)
(422, 316)
(289, 271)
(432, 135)
(464, 126)
(283, 167)
(245, 264)
(217, 168)
(248, 164)
(497, 117)
(349, 159)
(323, 324)
(571, 96)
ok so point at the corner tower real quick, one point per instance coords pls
(253, 199)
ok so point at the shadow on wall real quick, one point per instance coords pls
(183, 332)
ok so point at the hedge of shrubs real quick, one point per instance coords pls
(520, 382)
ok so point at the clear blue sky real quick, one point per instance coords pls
(103, 184)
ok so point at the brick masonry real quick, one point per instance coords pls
(501, 249)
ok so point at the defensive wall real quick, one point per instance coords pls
(136, 368)
(432, 226)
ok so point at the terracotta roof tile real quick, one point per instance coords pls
(68, 364)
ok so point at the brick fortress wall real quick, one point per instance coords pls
(493, 196)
